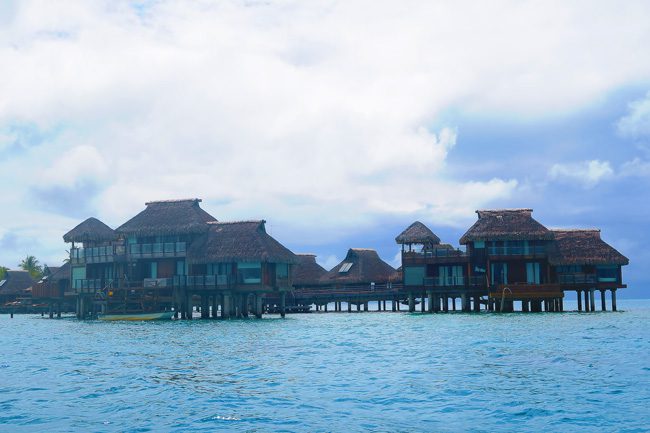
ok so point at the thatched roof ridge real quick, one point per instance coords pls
(367, 267)
(16, 283)
(238, 241)
(506, 224)
(417, 233)
(90, 230)
(307, 271)
(167, 217)
(583, 247)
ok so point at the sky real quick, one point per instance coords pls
(339, 123)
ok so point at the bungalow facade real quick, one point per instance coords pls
(510, 257)
(173, 255)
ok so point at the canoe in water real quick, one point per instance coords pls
(136, 317)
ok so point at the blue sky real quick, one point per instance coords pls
(339, 123)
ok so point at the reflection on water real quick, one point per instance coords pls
(330, 372)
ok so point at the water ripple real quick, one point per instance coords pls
(324, 372)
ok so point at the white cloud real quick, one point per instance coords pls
(588, 173)
(635, 167)
(636, 123)
(310, 113)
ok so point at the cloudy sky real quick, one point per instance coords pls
(340, 123)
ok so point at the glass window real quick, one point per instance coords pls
(78, 273)
(479, 244)
(153, 270)
(181, 268)
(532, 273)
(607, 274)
(281, 270)
(345, 267)
(414, 275)
(249, 273)
(499, 273)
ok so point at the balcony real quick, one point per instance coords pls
(537, 250)
(208, 282)
(435, 253)
(577, 278)
(105, 254)
(157, 250)
(463, 281)
(92, 284)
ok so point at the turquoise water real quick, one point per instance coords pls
(331, 372)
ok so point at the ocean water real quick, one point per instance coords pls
(568, 372)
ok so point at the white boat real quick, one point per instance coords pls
(137, 317)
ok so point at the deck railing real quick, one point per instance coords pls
(435, 253)
(92, 283)
(202, 281)
(160, 249)
(577, 278)
(535, 250)
(96, 254)
(461, 281)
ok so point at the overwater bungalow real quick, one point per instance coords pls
(173, 255)
(54, 289)
(580, 260)
(510, 257)
(15, 286)
(362, 276)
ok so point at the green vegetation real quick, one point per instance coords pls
(3, 272)
(31, 265)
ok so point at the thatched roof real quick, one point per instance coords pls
(583, 247)
(240, 241)
(307, 271)
(417, 233)
(506, 224)
(168, 217)
(55, 273)
(363, 266)
(15, 283)
(91, 230)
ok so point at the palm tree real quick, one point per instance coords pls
(3, 272)
(30, 264)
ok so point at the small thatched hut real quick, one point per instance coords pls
(360, 267)
(417, 233)
(55, 282)
(91, 230)
(307, 273)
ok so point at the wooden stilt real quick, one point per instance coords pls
(430, 300)
(445, 303)
(411, 302)
(587, 309)
(579, 300)
(453, 303)
(226, 306)
(393, 305)
(613, 299)
(283, 300)
(603, 303)
(259, 305)
(592, 299)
